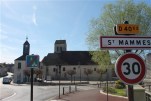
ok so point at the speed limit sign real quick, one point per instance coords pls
(130, 68)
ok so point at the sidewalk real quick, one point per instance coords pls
(89, 95)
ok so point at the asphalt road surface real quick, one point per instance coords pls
(22, 92)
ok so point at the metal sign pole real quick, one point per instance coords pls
(130, 88)
(31, 97)
(32, 61)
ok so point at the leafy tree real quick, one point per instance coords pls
(101, 72)
(87, 72)
(123, 10)
(102, 58)
(71, 73)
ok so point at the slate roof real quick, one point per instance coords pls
(26, 43)
(23, 57)
(68, 58)
(60, 42)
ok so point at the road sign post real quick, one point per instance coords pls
(131, 70)
(32, 61)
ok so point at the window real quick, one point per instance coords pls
(54, 69)
(57, 49)
(19, 65)
(74, 68)
(64, 69)
(60, 49)
(94, 69)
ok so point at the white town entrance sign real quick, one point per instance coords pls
(130, 68)
(125, 42)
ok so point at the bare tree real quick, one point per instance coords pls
(71, 73)
(27, 73)
(87, 72)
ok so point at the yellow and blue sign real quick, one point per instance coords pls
(32, 61)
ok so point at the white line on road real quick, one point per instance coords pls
(9, 97)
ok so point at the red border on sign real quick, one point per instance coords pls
(119, 69)
(101, 45)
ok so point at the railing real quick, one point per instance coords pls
(148, 96)
(148, 91)
(103, 84)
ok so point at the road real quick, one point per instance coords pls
(15, 92)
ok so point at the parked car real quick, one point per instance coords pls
(7, 80)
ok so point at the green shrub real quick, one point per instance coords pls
(110, 90)
(119, 84)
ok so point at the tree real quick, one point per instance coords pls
(27, 73)
(101, 72)
(102, 58)
(87, 72)
(38, 73)
(71, 73)
(117, 13)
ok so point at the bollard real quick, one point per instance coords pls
(69, 89)
(75, 87)
(63, 90)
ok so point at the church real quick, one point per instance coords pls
(20, 64)
(61, 64)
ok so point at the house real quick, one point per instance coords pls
(3, 69)
(79, 61)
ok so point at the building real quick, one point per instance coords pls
(148, 65)
(20, 64)
(78, 61)
(70, 61)
(3, 69)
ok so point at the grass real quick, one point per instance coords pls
(115, 91)
(120, 92)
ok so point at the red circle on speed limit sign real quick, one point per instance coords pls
(130, 68)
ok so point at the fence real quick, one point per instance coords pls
(103, 84)
(148, 96)
(148, 91)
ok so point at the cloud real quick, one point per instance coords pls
(34, 18)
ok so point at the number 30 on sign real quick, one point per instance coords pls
(130, 68)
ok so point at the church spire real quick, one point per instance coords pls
(26, 47)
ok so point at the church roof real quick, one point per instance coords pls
(60, 41)
(68, 58)
(26, 43)
(23, 57)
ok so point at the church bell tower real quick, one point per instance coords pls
(26, 47)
